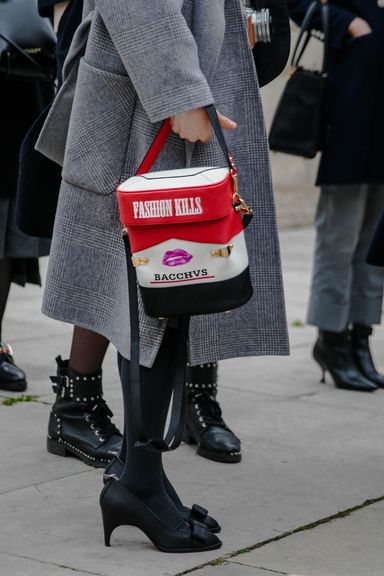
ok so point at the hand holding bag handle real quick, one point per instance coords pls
(164, 132)
(176, 426)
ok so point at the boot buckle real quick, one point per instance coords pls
(60, 383)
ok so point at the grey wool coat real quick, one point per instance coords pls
(133, 64)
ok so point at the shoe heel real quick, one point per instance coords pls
(55, 447)
(321, 365)
(110, 522)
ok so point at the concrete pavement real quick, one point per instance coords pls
(311, 452)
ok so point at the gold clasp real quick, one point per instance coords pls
(139, 261)
(223, 252)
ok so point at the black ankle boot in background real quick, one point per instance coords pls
(204, 423)
(80, 421)
(333, 351)
(12, 378)
(361, 352)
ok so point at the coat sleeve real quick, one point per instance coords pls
(159, 53)
(340, 19)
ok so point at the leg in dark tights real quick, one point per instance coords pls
(143, 469)
(87, 351)
(123, 451)
(5, 284)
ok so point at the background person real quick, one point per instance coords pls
(75, 428)
(347, 293)
(21, 103)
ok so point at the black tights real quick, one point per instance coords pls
(5, 284)
(87, 351)
(143, 470)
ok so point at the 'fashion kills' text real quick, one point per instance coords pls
(167, 208)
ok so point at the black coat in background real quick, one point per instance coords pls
(40, 178)
(353, 152)
(69, 22)
(20, 104)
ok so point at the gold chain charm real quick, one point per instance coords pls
(238, 202)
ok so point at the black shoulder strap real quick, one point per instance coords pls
(176, 426)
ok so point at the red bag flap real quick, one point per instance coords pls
(176, 205)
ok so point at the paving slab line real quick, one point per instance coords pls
(231, 556)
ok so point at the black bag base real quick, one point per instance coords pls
(197, 299)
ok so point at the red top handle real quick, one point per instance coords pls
(155, 149)
(161, 138)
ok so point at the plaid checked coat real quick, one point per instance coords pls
(131, 65)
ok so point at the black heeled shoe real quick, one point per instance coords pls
(120, 507)
(197, 513)
(361, 352)
(12, 378)
(333, 353)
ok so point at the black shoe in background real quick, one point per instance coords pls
(12, 378)
(80, 421)
(205, 425)
(333, 352)
(361, 352)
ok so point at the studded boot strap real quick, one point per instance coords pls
(202, 377)
(72, 385)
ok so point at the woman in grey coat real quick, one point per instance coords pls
(130, 67)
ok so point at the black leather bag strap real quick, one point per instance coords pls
(306, 34)
(212, 113)
(176, 425)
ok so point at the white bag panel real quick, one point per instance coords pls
(190, 263)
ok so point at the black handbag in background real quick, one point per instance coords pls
(299, 126)
(270, 35)
(27, 42)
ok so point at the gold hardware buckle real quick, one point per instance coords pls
(139, 261)
(223, 252)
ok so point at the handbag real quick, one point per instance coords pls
(186, 233)
(27, 42)
(270, 35)
(298, 126)
(184, 245)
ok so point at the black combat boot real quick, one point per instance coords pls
(204, 423)
(80, 421)
(361, 352)
(333, 351)
(12, 378)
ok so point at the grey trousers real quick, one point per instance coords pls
(345, 289)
